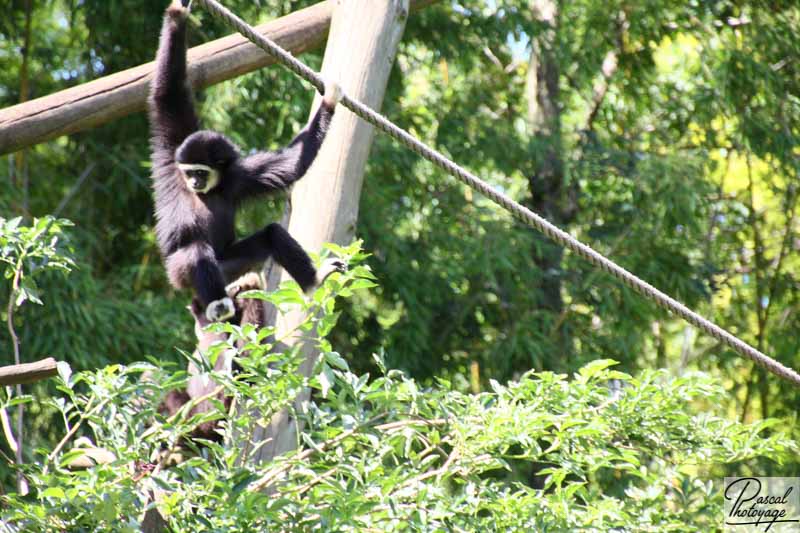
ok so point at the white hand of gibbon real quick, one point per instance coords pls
(332, 95)
(328, 267)
(179, 8)
(219, 310)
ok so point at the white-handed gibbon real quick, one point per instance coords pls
(200, 178)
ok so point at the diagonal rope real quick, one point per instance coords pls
(520, 212)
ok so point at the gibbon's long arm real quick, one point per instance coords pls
(264, 172)
(171, 109)
(183, 236)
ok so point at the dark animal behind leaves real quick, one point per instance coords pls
(248, 311)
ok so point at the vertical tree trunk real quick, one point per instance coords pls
(20, 168)
(361, 48)
(550, 196)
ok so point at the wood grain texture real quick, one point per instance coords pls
(360, 52)
(117, 95)
(28, 372)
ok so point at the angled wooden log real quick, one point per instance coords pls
(28, 372)
(360, 52)
(117, 95)
(94, 103)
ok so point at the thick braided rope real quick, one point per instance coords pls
(518, 211)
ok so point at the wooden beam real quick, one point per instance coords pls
(28, 372)
(96, 102)
(118, 95)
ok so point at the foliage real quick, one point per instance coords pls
(26, 253)
(29, 251)
(117, 302)
(651, 167)
(661, 169)
(684, 171)
(542, 452)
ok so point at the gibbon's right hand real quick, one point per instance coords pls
(332, 94)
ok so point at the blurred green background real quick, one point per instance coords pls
(663, 133)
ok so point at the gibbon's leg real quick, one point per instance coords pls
(196, 266)
(272, 241)
(210, 286)
(276, 242)
(290, 255)
(244, 255)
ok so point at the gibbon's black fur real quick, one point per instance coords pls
(248, 311)
(200, 178)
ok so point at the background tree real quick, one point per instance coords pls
(677, 150)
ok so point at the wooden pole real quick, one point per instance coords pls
(360, 53)
(117, 95)
(28, 372)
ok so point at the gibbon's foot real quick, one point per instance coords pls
(332, 95)
(219, 310)
(326, 269)
(179, 8)
(246, 282)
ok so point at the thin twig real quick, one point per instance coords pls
(71, 433)
(22, 487)
(315, 481)
(271, 477)
(73, 190)
(12, 442)
(15, 286)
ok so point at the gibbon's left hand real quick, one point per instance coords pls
(328, 267)
(179, 9)
(332, 94)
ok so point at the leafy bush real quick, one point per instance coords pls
(382, 453)
(26, 252)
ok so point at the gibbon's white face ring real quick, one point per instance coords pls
(199, 178)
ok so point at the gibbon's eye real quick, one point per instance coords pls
(197, 173)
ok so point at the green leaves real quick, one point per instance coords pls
(662, 186)
(389, 454)
(27, 251)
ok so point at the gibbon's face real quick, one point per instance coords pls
(199, 178)
(202, 159)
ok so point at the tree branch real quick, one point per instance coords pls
(607, 71)
(20, 374)
(115, 96)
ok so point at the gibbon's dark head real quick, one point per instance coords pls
(202, 158)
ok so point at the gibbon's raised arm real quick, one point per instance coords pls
(170, 105)
(264, 172)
